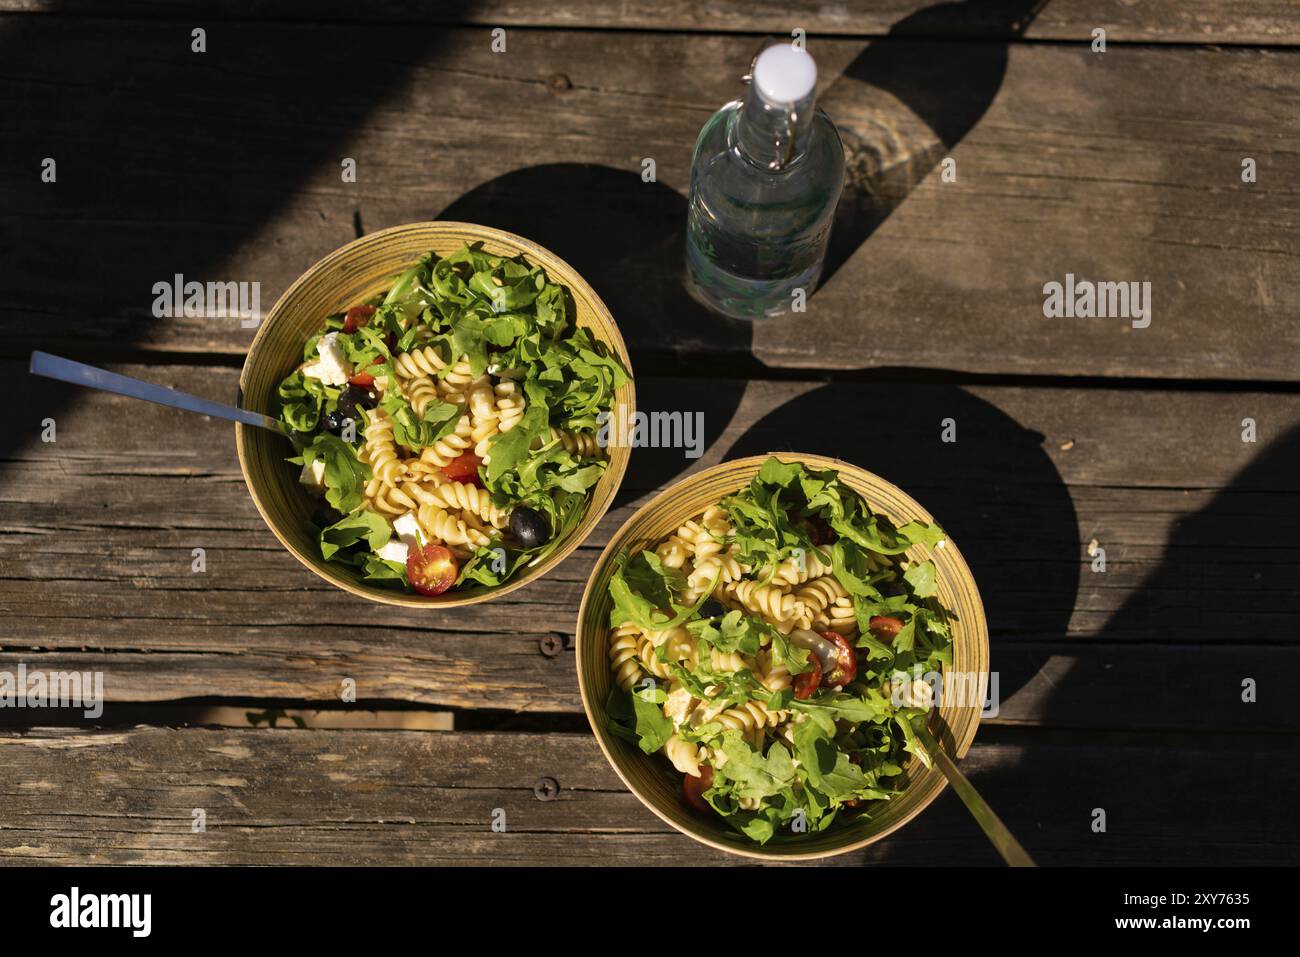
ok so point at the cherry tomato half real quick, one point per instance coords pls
(693, 789)
(846, 668)
(365, 380)
(885, 627)
(806, 683)
(431, 569)
(464, 468)
(357, 317)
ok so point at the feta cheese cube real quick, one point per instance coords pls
(393, 552)
(408, 530)
(677, 706)
(314, 474)
(333, 367)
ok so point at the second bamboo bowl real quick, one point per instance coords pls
(345, 277)
(654, 781)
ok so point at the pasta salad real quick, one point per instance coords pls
(769, 649)
(449, 426)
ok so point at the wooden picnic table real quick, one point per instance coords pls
(1120, 690)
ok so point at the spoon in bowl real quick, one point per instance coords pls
(78, 373)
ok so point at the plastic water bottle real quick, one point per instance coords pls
(765, 178)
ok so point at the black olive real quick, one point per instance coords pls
(355, 397)
(712, 608)
(325, 516)
(336, 422)
(529, 527)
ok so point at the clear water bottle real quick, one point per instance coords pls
(765, 178)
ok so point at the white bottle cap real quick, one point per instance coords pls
(785, 74)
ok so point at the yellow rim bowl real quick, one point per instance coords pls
(345, 277)
(654, 781)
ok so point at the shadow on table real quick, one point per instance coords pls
(907, 100)
(1222, 790)
(194, 142)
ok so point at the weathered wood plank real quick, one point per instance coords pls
(401, 797)
(1184, 21)
(548, 139)
(1200, 591)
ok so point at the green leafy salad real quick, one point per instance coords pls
(449, 426)
(771, 649)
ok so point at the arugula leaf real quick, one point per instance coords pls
(843, 705)
(638, 717)
(851, 569)
(345, 475)
(778, 473)
(828, 768)
(904, 719)
(363, 525)
(759, 827)
(741, 633)
(647, 575)
(653, 729)
(417, 432)
(468, 338)
(753, 775)
(919, 533)
(906, 637)
(921, 576)
(620, 718)
(791, 657)
(301, 401)
(512, 449)
(636, 608)
(383, 572)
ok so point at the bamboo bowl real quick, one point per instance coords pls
(652, 779)
(344, 278)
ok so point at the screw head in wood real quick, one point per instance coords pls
(546, 789)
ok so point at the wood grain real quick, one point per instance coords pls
(1120, 690)
(1183, 21)
(403, 797)
(97, 531)
(1117, 166)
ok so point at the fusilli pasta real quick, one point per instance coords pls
(761, 683)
